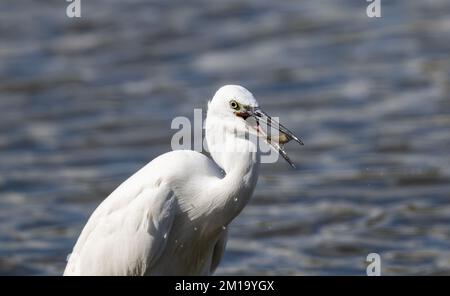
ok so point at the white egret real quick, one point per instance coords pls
(170, 217)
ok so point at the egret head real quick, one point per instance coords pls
(230, 101)
(235, 107)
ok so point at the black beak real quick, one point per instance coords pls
(283, 134)
(265, 118)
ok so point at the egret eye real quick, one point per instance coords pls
(234, 105)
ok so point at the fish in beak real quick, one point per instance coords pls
(274, 133)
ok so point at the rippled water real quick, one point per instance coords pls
(85, 103)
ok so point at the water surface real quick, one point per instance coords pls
(85, 103)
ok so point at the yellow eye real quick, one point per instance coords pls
(234, 105)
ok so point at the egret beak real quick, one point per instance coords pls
(281, 134)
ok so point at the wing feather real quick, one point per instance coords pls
(124, 238)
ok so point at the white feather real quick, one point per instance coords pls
(170, 217)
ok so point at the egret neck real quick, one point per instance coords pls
(238, 156)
